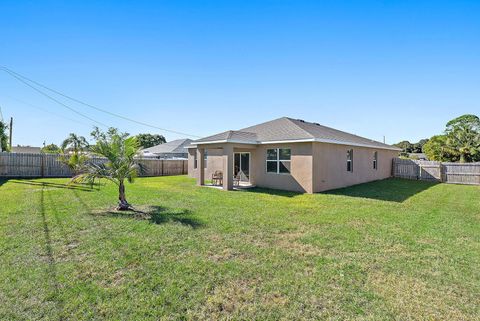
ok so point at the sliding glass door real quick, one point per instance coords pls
(241, 167)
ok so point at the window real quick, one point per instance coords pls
(375, 160)
(350, 160)
(278, 160)
(195, 160)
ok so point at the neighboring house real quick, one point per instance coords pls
(26, 150)
(176, 149)
(290, 154)
(419, 156)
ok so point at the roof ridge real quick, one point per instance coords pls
(292, 121)
(342, 131)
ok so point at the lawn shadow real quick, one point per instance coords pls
(157, 215)
(269, 191)
(51, 272)
(391, 189)
(80, 187)
(3, 181)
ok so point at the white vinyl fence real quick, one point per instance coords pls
(49, 165)
(455, 173)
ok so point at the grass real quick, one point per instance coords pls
(392, 249)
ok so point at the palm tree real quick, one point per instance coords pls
(120, 166)
(463, 135)
(465, 144)
(437, 149)
(75, 143)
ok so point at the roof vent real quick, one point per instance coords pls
(316, 124)
(301, 120)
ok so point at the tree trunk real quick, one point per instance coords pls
(122, 200)
(462, 158)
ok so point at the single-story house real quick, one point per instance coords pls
(176, 149)
(419, 156)
(290, 154)
(26, 150)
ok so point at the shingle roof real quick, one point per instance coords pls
(289, 129)
(325, 133)
(175, 146)
(233, 136)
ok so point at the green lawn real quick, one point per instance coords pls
(392, 249)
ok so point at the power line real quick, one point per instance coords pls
(46, 111)
(15, 74)
(55, 100)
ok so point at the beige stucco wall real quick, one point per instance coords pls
(299, 180)
(300, 177)
(214, 162)
(315, 167)
(330, 166)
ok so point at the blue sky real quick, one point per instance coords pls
(396, 68)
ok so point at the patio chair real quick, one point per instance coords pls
(217, 178)
(236, 180)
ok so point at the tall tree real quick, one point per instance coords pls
(74, 143)
(3, 137)
(405, 145)
(51, 149)
(417, 147)
(149, 140)
(437, 149)
(121, 166)
(463, 136)
(76, 159)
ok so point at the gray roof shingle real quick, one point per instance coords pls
(175, 146)
(239, 136)
(289, 129)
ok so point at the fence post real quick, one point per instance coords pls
(42, 169)
(2, 169)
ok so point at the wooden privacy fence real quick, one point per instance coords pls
(455, 173)
(50, 165)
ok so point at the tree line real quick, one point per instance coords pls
(460, 142)
(75, 142)
(3, 136)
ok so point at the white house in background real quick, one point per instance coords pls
(26, 150)
(176, 149)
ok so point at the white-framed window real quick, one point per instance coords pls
(375, 160)
(278, 160)
(350, 160)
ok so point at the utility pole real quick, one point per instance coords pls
(384, 139)
(11, 130)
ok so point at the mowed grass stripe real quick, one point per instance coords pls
(391, 249)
